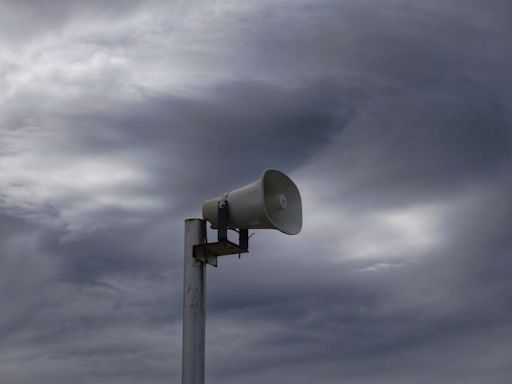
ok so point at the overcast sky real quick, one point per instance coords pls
(393, 117)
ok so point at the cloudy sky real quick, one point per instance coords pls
(118, 118)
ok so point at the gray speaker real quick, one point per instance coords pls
(271, 202)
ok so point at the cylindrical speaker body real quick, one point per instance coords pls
(246, 208)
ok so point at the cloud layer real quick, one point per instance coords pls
(394, 119)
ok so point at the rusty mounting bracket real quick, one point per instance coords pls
(209, 252)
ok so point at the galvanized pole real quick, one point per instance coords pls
(192, 368)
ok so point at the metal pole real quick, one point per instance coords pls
(192, 368)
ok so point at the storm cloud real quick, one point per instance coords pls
(393, 117)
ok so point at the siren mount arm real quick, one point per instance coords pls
(209, 252)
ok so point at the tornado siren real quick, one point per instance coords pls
(271, 202)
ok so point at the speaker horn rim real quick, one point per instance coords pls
(268, 216)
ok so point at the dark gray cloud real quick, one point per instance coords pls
(394, 119)
(238, 128)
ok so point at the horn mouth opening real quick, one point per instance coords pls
(282, 205)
